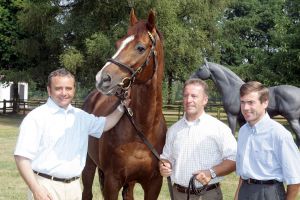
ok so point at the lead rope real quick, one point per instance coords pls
(192, 187)
(129, 114)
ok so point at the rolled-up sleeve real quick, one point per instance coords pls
(229, 145)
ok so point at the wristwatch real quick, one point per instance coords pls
(212, 173)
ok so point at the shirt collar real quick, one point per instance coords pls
(195, 122)
(261, 125)
(54, 108)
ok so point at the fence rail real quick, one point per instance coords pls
(171, 112)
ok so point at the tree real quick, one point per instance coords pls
(41, 42)
(190, 34)
(9, 32)
(247, 35)
(258, 40)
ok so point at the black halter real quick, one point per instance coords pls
(126, 82)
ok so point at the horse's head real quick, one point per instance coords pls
(135, 59)
(203, 72)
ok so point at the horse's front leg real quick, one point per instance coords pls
(88, 175)
(152, 187)
(111, 186)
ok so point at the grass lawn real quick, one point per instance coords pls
(12, 186)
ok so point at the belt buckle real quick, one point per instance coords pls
(67, 180)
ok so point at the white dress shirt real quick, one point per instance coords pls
(56, 139)
(198, 145)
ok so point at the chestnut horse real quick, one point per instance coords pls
(120, 155)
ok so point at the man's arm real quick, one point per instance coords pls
(24, 167)
(113, 118)
(292, 191)
(222, 169)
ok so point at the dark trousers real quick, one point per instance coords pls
(262, 192)
(215, 194)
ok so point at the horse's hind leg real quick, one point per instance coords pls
(88, 175)
(295, 124)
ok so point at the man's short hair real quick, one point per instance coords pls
(60, 72)
(255, 86)
(197, 81)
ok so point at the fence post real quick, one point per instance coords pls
(24, 107)
(179, 111)
(4, 106)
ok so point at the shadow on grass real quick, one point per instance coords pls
(11, 119)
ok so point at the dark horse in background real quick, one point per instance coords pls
(284, 100)
(120, 155)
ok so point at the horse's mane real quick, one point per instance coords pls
(227, 73)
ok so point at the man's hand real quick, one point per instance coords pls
(203, 176)
(42, 194)
(165, 168)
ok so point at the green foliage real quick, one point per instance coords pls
(14, 76)
(259, 40)
(9, 31)
(98, 47)
(71, 59)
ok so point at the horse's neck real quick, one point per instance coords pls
(147, 99)
(146, 103)
(224, 81)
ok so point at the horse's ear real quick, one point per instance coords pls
(151, 20)
(206, 62)
(133, 19)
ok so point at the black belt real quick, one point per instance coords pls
(64, 180)
(260, 182)
(183, 189)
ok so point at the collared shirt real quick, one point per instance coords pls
(267, 151)
(56, 139)
(198, 145)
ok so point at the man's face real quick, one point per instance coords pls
(252, 109)
(194, 101)
(62, 90)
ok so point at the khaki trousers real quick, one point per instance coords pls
(59, 190)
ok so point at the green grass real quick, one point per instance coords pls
(13, 187)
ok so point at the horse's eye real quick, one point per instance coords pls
(140, 48)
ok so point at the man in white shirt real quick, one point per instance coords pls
(52, 145)
(199, 145)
